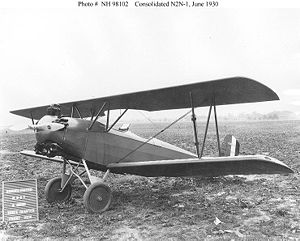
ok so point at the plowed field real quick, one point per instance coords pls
(249, 207)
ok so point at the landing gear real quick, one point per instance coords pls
(97, 197)
(54, 192)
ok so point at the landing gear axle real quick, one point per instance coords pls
(97, 197)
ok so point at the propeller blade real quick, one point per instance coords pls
(47, 127)
(19, 127)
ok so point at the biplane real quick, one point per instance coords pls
(71, 134)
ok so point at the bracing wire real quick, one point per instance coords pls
(158, 133)
(147, 118)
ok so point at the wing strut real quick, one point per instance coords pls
(217, 128)
(92, 114)
(116, 121)
(206, 129)
(194, 125)
(107, 118)
(77, 110)
(72, 111)
(213, 104)
(32, 120)
(97, 116)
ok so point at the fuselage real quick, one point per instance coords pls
(100, 148)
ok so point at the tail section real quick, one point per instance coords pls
(230, 146)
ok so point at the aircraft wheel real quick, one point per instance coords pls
(97, 197)
(52, 191)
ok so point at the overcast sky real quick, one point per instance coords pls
(58, 55)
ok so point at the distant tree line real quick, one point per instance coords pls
(275, 115)
(258, 116)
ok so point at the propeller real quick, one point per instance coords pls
(38, 127)
(47, 127)
(50, 122)
(19, 127)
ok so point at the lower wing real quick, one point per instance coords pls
(206, 166)
(53, 159)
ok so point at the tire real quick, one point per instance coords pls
(97, 197)
(52, 191)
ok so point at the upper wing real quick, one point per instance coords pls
(224, 91)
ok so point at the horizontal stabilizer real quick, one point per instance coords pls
(206, 166)
(53, 159)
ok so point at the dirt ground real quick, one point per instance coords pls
(256, 207)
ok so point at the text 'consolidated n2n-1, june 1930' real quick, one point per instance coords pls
(149, 4)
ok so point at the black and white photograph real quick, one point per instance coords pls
(150, 120)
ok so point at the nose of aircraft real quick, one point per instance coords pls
(49, 135)
(48, 129)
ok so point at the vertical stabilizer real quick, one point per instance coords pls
(230, 146)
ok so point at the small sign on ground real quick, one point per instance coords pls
(20, 201)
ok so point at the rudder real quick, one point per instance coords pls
(230, 146)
